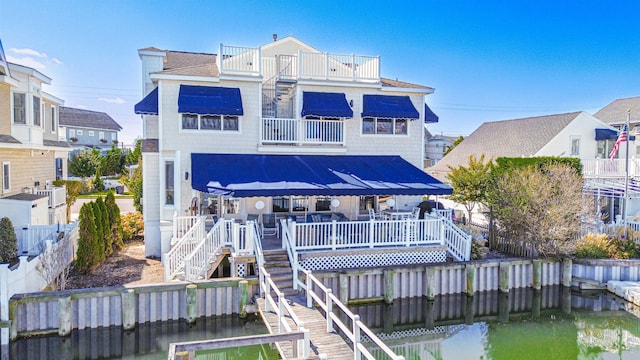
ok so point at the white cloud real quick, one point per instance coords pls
(27, 61)
(56, 61)
(29, 52)
(116, 100)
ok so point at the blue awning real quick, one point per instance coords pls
(325, 104)
(430, 116)
(388, 106)
(606, 134)
(243, 175)
(209, 100)
(148, 105)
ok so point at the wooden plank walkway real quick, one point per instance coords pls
(330, 344)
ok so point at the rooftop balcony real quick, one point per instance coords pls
(607, 168)
(236, 60)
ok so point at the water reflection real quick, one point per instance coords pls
(148, 341)
(552, 323)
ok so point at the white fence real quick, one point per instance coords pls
(57, 195)
(326, 66)
(173, 261)
(25, 277)
(609, 168)
(31, 238)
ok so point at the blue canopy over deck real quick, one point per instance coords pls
(243, 175)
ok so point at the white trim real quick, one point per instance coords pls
(301, 149)
(52, 98)
(341, 84)
(376, 134)
(163, 182)
(183, 78)
(30, 71)
(247, 78)
(209, 131)
(142, 53)
(408, 90)
(9, 80)
(12, 102)
(91, 133)
(8, 188)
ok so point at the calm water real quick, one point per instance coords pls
(548, 324)
(148, 341)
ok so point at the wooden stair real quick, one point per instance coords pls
(277, 264)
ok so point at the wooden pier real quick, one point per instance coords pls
(322, 343)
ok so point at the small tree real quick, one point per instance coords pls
(113, 162)
(8, 240)
(100, 229)
(107, 239)
(73, 190)
(85, 164)
(470, 183)
(455, 143)
(54, 264)
(134, 183)
(87, 255)
(115, 221)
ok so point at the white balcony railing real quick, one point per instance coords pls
(304, 65)
(603, 168)
(57, 195)
(302, 131)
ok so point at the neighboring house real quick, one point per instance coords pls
(615, 114)
(31, 154)
(435, 146)
(282, 126)
(88, 129)
(576, 134)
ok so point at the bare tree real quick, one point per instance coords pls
(55, 262)
(540, 205)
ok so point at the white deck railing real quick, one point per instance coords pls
(353, 331)
(57, 195)
(173, 261)
(182, 224)
(338, 67)
(288, 242)
(199, 260)
(283, 310)
(239, 60)
(302, 131)
(609, 168)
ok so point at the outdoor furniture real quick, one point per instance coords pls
(269, 225)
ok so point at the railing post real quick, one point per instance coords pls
(294, 272)
(356, 337)
(175, 224)
(372, 233)
(407, 229)
(306, 347)
(280, 313)
(309, 283)
(326, 61)
(329, 303)
(442, 232)
(334, 230)
(267, 291)
(353, 67)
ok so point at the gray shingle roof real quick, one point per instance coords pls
(25, 197)
(8, 139)
(56, 143)
(511, 138)
(616, 111)
(87, 119)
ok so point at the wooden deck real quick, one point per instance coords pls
(330, 344)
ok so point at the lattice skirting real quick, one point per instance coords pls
(373, 260)
(241, 269)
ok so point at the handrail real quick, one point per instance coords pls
(288, 241)
(281, 309)
(357, 326)
(173, 260)
(198, 261)
(458, 242)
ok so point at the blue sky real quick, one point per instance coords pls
(487, 60)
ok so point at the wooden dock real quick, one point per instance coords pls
(329, 344)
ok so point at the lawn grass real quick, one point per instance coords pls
(95, 195)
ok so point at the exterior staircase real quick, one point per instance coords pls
(277, 264)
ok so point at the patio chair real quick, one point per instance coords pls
(415, 213)
(252, 217)
(372, 214)
(269, 225)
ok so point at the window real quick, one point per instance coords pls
(101, 135)
(72, 133)
(91, 133)
(280, 204)
(79, 132)
(168, 183)
(604, 148)
(19, 109)
(230, 205)
(36, 111)
(113, 137)
(6, 176)
(575, 145)
(299, 203)
(53, 119)
(210, 122)
(366, 203)
(323, 203)
(384, 126)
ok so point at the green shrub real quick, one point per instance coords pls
(593, 246)
(115, 222)
(624, 248)
(132, 226)
(87, 256)
(8, 240)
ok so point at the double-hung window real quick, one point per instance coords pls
(19, 108)
(36, 111)
(53, 119)
(384, 126)
(169, 183)
(6, 176)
